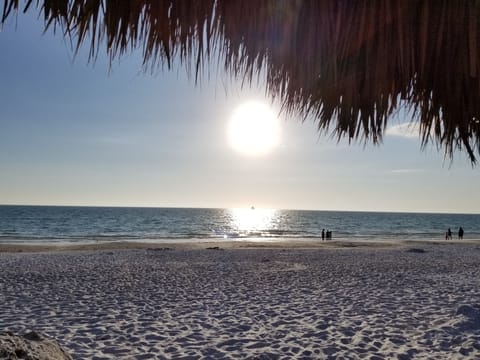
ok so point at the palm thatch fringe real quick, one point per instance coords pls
(349, 63)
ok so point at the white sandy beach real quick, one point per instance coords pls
(145, 302)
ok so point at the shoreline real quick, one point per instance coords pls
(12, 247)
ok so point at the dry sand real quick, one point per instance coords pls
(263, 301)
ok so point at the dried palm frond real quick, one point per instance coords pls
(349, 63)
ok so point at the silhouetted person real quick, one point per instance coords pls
(323, 234)
(460, 233)
(449, 234)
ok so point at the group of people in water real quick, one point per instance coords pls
(448, 234)
(326, 235)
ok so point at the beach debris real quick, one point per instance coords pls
(33, 336)
(214, 248)
(159, 249)
(471, 313)
(416, 250)
(31, 346)
(265, 260)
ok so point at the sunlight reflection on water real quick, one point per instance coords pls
(251, 222)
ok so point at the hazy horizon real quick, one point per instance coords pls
(254, 208)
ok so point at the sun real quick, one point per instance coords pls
(253, 129)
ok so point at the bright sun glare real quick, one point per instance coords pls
(253, 129)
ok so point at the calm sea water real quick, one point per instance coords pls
(86, 224)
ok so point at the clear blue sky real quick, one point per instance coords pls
(74, 133)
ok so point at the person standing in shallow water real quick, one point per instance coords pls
(460, 233)
(449, 234)
(323, 234)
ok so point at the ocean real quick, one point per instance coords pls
(51, 224)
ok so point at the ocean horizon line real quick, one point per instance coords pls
(432, 212)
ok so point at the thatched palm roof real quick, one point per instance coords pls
(350, 64)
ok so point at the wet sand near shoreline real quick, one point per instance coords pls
(240, 244)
